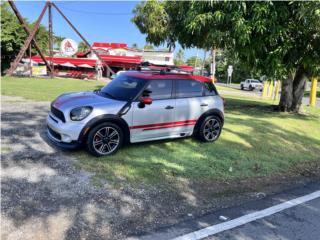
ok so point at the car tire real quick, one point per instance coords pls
(104, 139)
(210, 129)
(251, 88)
(241, 87)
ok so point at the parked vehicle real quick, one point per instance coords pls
(251, 84)
(137, 106)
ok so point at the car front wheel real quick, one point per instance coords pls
(210, 129)
(105, 139)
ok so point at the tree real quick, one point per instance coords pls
(194, 61)
(13, 36)
(148, 46)
(179, 58)
(135, 45)
(82, 47)
(277, 39)
(57, 41)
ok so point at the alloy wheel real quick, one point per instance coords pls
(106, 140)
(211, 129)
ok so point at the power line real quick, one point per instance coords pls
(95, 13)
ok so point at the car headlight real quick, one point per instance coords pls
(80, 113)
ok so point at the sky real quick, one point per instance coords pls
(97, 21)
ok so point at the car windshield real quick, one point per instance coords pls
(123, 87)
(255, 81)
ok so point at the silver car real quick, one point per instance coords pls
(137, 106)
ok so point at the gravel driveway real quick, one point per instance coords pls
(43, 196)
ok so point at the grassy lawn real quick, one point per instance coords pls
(44, 89)
(224, 88)
(255, 142)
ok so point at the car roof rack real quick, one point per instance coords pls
(161, 69)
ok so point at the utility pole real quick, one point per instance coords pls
(50, 39)
(213, 64)
(203, 61)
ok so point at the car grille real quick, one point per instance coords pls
(57, 113)
(54, 133)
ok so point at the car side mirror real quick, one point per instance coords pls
(146, 100)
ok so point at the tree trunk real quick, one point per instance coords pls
(292, 91)
(299, 84)
(286, 94)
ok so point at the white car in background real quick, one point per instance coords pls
(251, 84)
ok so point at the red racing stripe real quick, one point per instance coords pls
(162, 125)
(169, 126)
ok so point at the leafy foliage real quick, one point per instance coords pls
(148, 47)
(272, 38)
(82, 47)
(135, 45)
(179, 58)
(194, 61)
(280, 35)
(13, 36)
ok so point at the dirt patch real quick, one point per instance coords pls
(45, 196)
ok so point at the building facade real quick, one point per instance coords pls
(118, 56)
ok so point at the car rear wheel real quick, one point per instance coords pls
(210, 129)
(105, 139)
(241, 87)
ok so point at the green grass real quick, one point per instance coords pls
(255, 141)
(44, 89)
(224, 88)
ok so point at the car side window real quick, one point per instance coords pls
(159, 89)
(188, 88)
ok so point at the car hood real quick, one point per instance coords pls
(73, 100)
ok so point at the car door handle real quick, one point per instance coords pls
(169, 107)
(204, 104)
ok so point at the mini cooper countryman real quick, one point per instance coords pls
(137, 106)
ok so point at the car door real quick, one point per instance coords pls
(154, 121)
(190, 104)
(247, 83)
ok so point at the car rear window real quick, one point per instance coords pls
(209, 89)
(188, 88)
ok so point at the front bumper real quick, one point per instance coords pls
(63, 134)
(71, 145)
(259, 87)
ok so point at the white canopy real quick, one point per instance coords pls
(67, 64)
(85, 65)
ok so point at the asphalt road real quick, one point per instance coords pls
(248, 93)
(298, 223)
